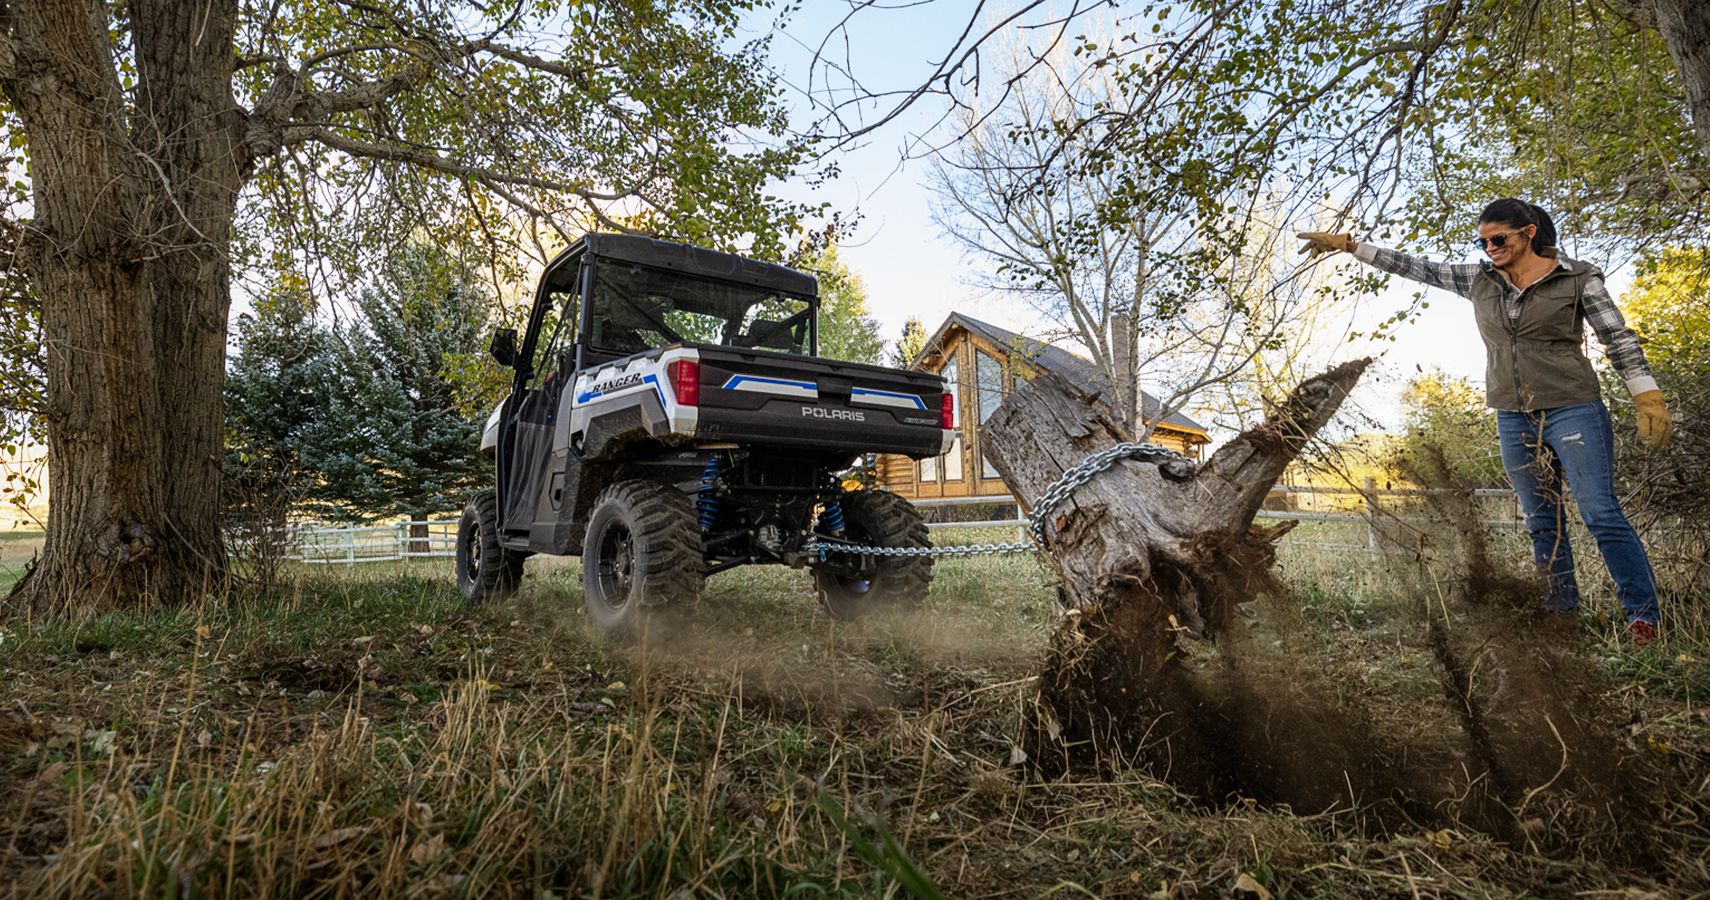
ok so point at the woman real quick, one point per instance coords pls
(1531, 305)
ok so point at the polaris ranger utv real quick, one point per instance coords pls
(669, 419)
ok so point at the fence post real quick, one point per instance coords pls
(1371, 512)
(350, 546)
(1021, 529)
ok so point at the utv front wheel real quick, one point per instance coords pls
(642, 552)
(851, 585)
(486, 571)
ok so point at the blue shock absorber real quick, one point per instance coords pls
(706, 499)
(831, 518)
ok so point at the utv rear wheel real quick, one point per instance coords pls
(642, 552)
(486, 571)
(851, 585)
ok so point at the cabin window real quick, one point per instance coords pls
(952, 460)
(988, 379)
(929, 469)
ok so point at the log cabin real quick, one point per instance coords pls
(982, 363)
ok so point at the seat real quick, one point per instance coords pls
(769, 335)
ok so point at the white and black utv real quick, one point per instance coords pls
(668, 419)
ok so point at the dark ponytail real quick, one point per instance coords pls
(1518, 214)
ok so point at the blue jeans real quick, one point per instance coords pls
(1538, 449)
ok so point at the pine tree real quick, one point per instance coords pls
(908, 346)
(275, 406)
(395, 440)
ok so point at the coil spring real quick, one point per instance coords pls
(706, 501)
(831, 518)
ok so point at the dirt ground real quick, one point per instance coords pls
(365, 732)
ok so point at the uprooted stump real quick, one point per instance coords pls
(1155, 565)
(1145, 556)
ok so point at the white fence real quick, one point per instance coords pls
(1363, 512)
(319, 544)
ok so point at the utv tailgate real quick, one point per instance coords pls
(756, 396)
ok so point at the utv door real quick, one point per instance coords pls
(534, 475)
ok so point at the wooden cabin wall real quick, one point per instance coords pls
(907, 477)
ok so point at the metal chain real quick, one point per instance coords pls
(1171, 464)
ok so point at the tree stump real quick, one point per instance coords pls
(1145, 557)
(1133, 525)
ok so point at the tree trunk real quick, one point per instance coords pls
(1125, 374)
(1135, 524)
(419, 534)
(1685, 28)
(1145, 553)
(134, 200)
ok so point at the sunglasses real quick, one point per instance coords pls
(1496, 240)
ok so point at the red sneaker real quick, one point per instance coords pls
(1643, 632)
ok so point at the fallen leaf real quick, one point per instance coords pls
(204, 632)
(424, 630)
(100, 741)
(362, 640)
(1017, 756)
(1247, 884)
(438, 886)
(340, 836)
(427, 851)
(204, 738)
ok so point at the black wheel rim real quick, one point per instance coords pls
(854, 573)
(472, 553)
(614, 565)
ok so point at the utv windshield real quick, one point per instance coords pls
(638, 308)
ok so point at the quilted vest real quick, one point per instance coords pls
(1536, 361)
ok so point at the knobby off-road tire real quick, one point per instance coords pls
(880, 519)
(486, 571)
(642, 552)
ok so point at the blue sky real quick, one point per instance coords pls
(912, 270)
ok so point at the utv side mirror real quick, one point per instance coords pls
(504, 347)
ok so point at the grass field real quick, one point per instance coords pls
(361, 731)
(17, 547)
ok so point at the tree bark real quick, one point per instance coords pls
(1685, 28)
(134, 199)
(1125, 371)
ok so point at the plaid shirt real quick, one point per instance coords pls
(1619, 342)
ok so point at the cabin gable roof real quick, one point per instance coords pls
(1048, 357)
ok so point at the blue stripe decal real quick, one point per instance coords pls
(738, 379)
(918, 403)
(645, 379)
(654, 380)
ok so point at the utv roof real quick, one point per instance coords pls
(659, 254)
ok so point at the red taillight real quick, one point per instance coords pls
(685, 375)
(947, 412)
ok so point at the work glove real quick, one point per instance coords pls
(1325, 242)
(1655, 428)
